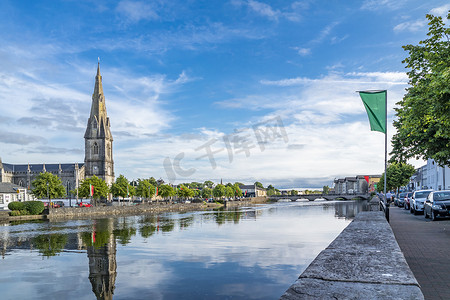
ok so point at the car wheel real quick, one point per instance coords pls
(433, 216)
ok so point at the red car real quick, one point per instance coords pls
(81, 204)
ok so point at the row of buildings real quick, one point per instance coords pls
(430, 176)
(360, 184)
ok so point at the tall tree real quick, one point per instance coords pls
(325, 189)
(47, 182)
(208, 184)
(398, 175)
(229, 191)
(145, 188)
(122, 188)
(100, 188)
(259, 184)
(206, 192)
(185, 192)
(423, 115)
(237, 190)
(219, 191)
(165, 191)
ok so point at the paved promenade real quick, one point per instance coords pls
(426, 247)
(363, 262)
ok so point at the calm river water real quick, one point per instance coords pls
(249, 253)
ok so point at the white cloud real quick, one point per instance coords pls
(325, 116)
(304, 51)
(412, 26)
(134, 11)
(382, 4)
(441, 10)
(265, 10)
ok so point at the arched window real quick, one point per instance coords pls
(108, 150)
(95, 148)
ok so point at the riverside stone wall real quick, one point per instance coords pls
(145, 208)
(363, 262)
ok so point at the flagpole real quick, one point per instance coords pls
(386, 204)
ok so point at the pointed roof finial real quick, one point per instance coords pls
(98, 66)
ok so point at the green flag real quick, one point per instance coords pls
(375, 104)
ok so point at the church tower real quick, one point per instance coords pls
(98, 159)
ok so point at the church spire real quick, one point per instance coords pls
(99, 118)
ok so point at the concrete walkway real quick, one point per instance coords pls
(363, 262)
(426, 247)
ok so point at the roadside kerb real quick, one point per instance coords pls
(363, 262)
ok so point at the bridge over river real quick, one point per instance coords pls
(329, 197)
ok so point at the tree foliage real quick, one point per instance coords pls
(55, 186)
(206, 192)
(219, 191)
(100, 188)
(145, 188)
(122, 188)
(165, 191)
(229, 191)
(259, 184)
(185, 192)
(398, 175)
(423, 115)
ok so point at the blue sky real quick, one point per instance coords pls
(267, 86)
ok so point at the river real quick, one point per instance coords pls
(246, 253)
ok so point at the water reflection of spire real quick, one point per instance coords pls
(102, 259)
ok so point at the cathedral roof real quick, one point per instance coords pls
(37, 168)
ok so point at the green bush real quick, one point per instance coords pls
(14, 213)
(16, 205)
(34, 207)
(24, 212)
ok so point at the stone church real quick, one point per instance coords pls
(98, 159)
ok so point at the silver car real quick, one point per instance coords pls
(417, 200)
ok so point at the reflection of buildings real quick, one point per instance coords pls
(349, 210)
(102, 262)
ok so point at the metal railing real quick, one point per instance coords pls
(384, 206)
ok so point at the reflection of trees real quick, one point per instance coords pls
(166, 224)
(50, 244)
(186, 222)
(124, 234)
(223, 216)
(147, 226)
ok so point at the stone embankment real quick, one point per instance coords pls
(363, 262)
(145, 208)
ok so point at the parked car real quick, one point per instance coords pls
(401, 199)
(84, 204)
(58, 204)
(437, 205)
(417, 200)
(408, 200)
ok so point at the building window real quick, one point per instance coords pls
(95, 148)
